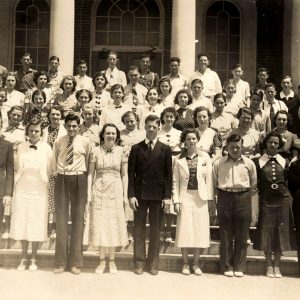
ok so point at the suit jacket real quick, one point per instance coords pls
(6, 168)
(150, 174)
(181, 178)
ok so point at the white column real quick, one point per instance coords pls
(295, 42)
(184, 34)
(62, 22)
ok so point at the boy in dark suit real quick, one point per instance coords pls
(149, 187)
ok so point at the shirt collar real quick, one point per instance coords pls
(154, 142)
(265, 158)
(290, 95)
(228, 158)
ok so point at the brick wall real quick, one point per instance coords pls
(270, 16)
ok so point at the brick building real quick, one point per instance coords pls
(254, 33)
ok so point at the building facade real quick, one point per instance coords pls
(261, 33)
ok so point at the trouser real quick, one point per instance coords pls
(155, 220)
(69, 189)
(234, 215)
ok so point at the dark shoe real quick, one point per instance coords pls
(138, 270)
(153, 271)
(75, 270)
(59, 270)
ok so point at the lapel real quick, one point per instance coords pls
(150, 158)
(182, 162)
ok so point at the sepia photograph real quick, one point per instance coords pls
(150, 149)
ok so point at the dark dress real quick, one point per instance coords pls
(275, 222)
(184, 122)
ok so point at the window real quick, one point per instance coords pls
(223, 37)
(127, 23)
(32, 32)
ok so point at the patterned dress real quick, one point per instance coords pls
(107, 220)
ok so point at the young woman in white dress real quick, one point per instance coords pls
(30, 201)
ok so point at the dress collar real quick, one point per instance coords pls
(265, 158)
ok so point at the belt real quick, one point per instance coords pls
(234, 190)
(70, 173)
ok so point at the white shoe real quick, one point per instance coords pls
(100, 269)
(197, 271)
(23, 265)
(112, 267)
(186, 269)
(33, 266)
(238, 274)
(229, 273)
(53, 235)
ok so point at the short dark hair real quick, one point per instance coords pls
(54, 58)
(171, 110)
(233, 138)
(38, 74)
(175, 58)
(78, 93)
(245, 110)
(112, 52)
(263, 144)
(27, 54)
(133, 68)
(287, 77)
(258, 93)
(220, 95)
(81, 62)
(197, 110)
(162, 80)
(129, 113)
(145, 55)
(55, 107)
(263, 69)
(69, 77)
(235, 66)
(202, 54)
(153, 88)
(100, 74)
(152, 118)
(288, 116)
(39, 93)
(71, 116)
(36, 122)
(101, 135)
(183, 91)
(115, 87)
(187, 131)
(196, 80)
(270, 84)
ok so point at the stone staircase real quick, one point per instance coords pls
(170, 256)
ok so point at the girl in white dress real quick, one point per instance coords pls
(192, 194)
(30, 202)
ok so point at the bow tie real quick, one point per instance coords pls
(33, 147)
(118, 106)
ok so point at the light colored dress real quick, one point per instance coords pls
(30, 202)
(107, 223)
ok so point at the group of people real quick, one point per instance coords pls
(106, 153)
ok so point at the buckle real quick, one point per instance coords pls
(274, 186)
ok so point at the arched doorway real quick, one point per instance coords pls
(129, 27)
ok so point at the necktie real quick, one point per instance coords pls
(134, 96)
(70, 151)
(150, 145)
(272, 113)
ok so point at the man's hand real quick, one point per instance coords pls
(212, 207)
(177, 208)
(133, 203)
(6, 200)
(165, 205)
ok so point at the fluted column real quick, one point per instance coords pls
(62, 33)
(183, 34)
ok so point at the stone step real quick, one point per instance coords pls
(10, 258)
